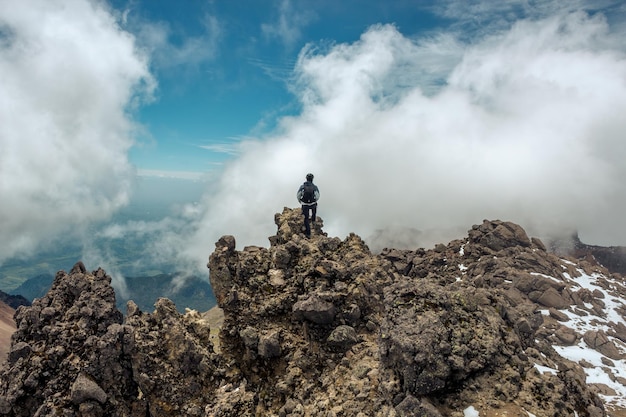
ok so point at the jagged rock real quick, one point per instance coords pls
(556, 314)
(497, 235)
(618, 331)
(73, 330)
(19, 350)
(320, 326)
(342, 337)
(85, 389)
(269, 345)
(232, 401)
(550, 298)
(435, 338)
(412, 407)
(613, 257)
(221, 279)
(598, 340)
(314, 309)
(250, 337)
(172, 358)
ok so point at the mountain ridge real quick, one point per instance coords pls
(192, 292)
(322, 326)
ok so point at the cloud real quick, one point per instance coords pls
(289, 23)
(526, 126)
(277, 70)
(160, 39)
(513, 119)
(183, 175)
(151, 245)
(227, 148)
(70, 78)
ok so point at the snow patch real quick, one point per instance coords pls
(546, 276)
(470, 412)
(545, 370)
(596, 370)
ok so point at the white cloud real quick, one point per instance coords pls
(69, 78)
(159, 38)
(528, 127)
(228, 148)
(182, 175)
(289, 23)
(431, 133)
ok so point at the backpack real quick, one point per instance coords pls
(308, 194)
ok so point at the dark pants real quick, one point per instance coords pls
(305, 211)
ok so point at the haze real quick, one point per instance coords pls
(521, 119)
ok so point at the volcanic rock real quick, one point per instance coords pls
(68, 352)
(324, 327)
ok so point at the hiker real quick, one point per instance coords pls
(308, 194)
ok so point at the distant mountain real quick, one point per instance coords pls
(7, 327)
(35, 287)
(611, 257)
(13, 301)
(194, 292)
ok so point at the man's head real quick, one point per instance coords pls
(309, 177)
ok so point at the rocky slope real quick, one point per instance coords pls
(490, 324)
(612, 257)
(7, 327)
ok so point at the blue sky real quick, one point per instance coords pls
(225, 68)
(418, 118)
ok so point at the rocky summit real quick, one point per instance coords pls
(488, 325)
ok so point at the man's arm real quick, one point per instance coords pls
(300, 193)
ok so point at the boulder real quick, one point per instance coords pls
(343, 337)
(314, 309)
(552, 298)
(85, 388)
(558, 315)
(598, 340)
(269, 345)
(566, 335)
(497, 235)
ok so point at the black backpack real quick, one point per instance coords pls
(308, 196)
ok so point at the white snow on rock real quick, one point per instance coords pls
(596, 365)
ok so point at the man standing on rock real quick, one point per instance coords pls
(308, 194)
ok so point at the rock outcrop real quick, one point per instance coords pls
(323, 327)
(70, 352)
(428, 331)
